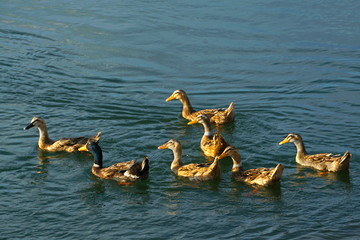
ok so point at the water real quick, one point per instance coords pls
(109, 66)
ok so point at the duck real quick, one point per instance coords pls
(63, 144)
(218, 116)
(212, 145)
(128, 171)
(326, 162)
(259, 176)
(192, 171)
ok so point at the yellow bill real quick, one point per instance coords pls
(192, 122)
(82, 149)
(170, 98)
(286, 140)
(162, 146)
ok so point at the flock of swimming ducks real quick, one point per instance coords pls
(213, 145)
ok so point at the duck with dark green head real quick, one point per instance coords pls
(129, 171)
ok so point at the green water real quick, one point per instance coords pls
(109, 66)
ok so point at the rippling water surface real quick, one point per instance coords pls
(89, 66)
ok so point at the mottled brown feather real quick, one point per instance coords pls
(114, 171)
(199, 171)
(326, 161)
(214, 146)
(259, 176)
(70, 144)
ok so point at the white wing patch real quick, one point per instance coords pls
(127, 174)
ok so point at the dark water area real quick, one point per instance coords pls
(89, 66)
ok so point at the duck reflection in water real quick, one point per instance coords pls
(246, 190)
(304, 172)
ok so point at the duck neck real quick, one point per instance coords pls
(237, 164)
(187, 108)
(207, 129)
(44, 139)
(98, 159)
(300, 147)
(177, 162)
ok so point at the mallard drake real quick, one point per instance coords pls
(129, 171)
(211, 145)
(63, 144)
(321, 161)
(193, 171)
(218, 116)
(259, 176)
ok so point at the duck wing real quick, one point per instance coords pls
(138, 170)
(68, 144)
(224, 115)
(328, 161)
(260, 176)
(116, 170)
(192, 169)
(322, 157)
(123, 165)
(219, 144)
(72, 144)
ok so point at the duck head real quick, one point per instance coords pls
(177, 94)
(232, 152)
(291, 137)
(95, 150)
(228, 152)
(200, 119)
(36, 122)
(171, 144)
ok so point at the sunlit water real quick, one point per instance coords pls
(109, 66)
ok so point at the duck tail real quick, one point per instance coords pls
(214, 165)
(277, 173)
(97, 137)
(145, 164)
(230, 111)
(345, 161)
(139, 170)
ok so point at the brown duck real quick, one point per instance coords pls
(193, 171)
(321, 161)
(63, 144)
(259, 176)
(211, 144)
(218, 116)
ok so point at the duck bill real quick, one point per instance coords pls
(170, 98)
(164, 146)
(284, 141)
(192, 122)
(29, 126)
(82, 149)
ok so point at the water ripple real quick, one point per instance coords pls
(109, 66)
